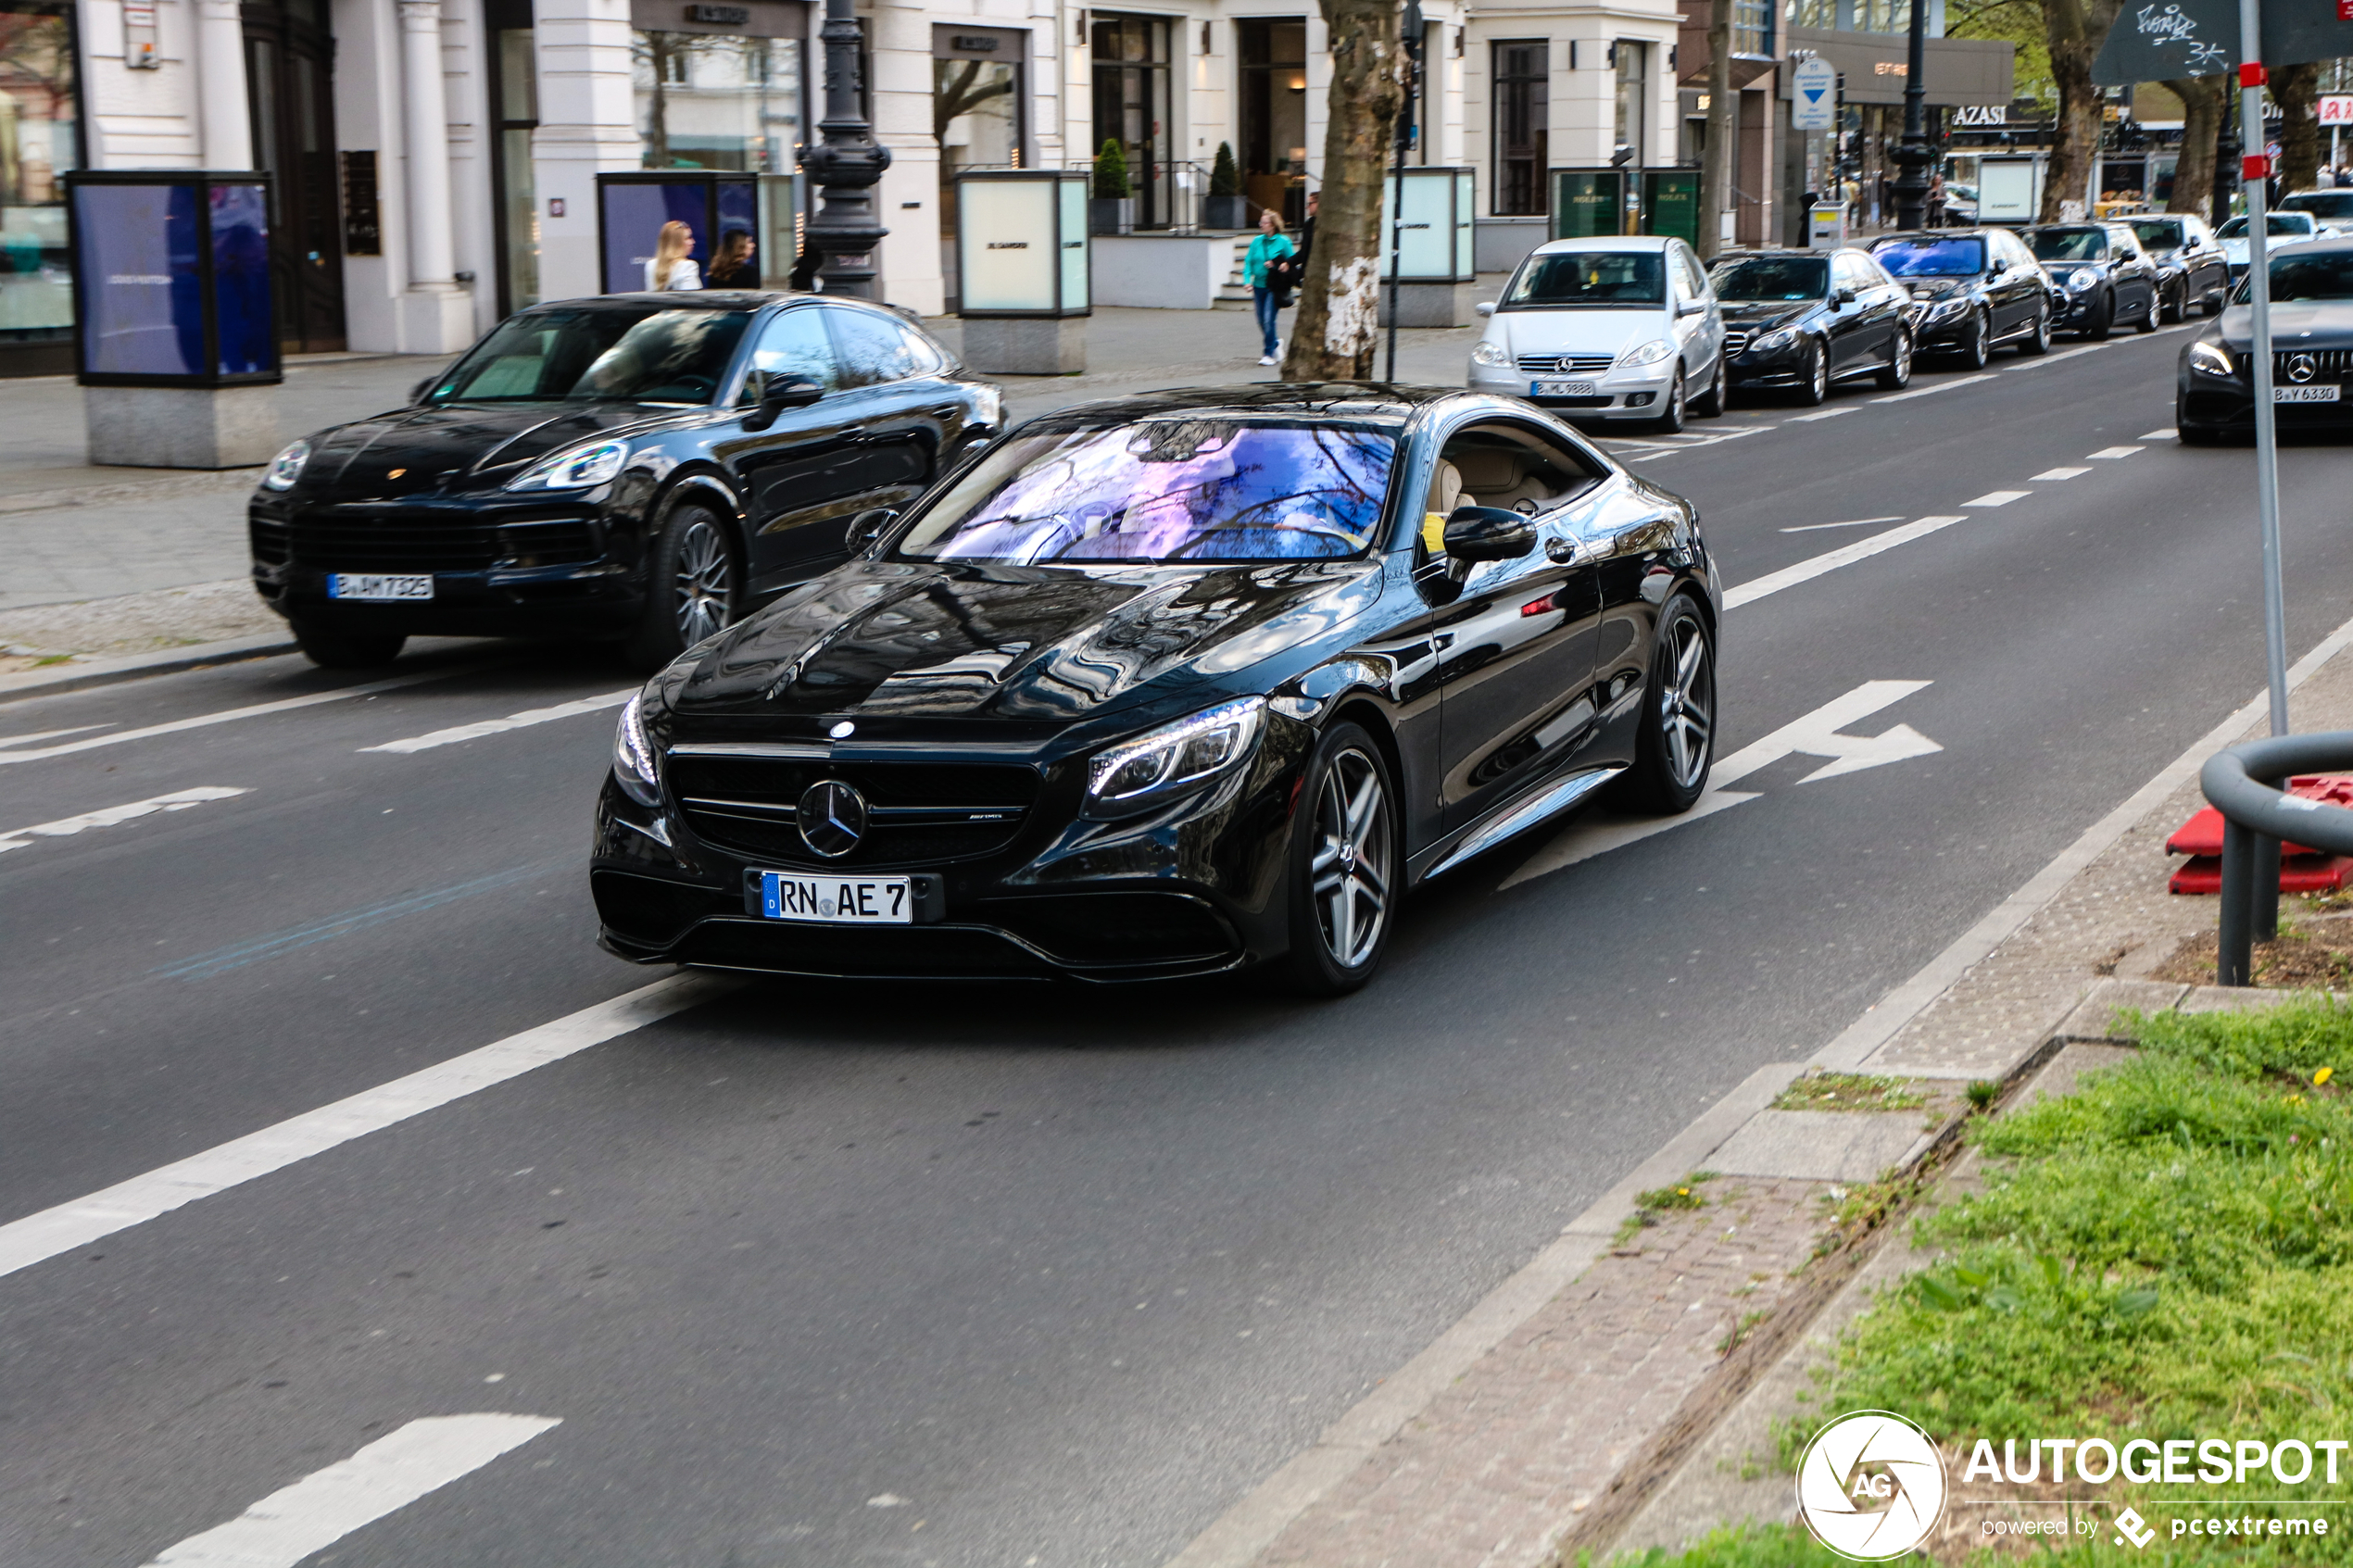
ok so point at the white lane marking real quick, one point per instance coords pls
(1859, 522)
(1932, 390)
(2055, 475)
(522, 720)
(323, 1507)
(1821, 414)
(1806, 571)
(1815, 734)
(2059, 358)
(253, 710)
(40, 1236)
(2168, 433)
(2108, 453)
(47, 735)
(1998, 497)
(107, 817)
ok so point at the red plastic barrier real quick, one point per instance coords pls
(2302, 869)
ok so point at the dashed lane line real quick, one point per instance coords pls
(107, 816)
(2111, 454)
(1932, 390)
(2053, 475)
(251, 710)
(522, 720)
(294, 1522)
(1821, 414)
(2168, 433)
(2060, 359)
(1859, 522)
(1806, 571)
(1998, 497)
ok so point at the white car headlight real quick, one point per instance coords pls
(2082, 283)
(1136, 774)
(2210, 359)
(1773, 343)
(286, 467)
(633, 755)
(1649, 353)
(1491, 354)
(574, 470)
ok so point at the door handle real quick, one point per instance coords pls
(1560, 551)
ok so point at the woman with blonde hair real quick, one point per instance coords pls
(669, 267)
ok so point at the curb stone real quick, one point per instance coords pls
(79, 675)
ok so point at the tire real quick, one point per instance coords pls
(2038, 341)
(1347, 865)
(1815, 389)
(2193, 436)
(2147, 322)
(337, 648)
(1980, 347)
(1670, 422)
(1676, 744)
(2176, 308)
(2102, 323)
(694, 586)
(1711, 404)
(1898, 375)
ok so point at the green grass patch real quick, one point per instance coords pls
(1850, 1091)
(1649, 1205)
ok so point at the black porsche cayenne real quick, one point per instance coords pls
(1174, 684)
(647, 466)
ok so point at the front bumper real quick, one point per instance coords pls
(1618, 394)
(2227, 406)
(1780, 367)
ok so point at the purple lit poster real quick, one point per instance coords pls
(241, 278)
(137, 271)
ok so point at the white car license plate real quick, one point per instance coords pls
(377, 585)
(2307, 394)
(1560, 389)
(837, 900)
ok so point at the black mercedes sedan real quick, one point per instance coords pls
(1802, 319)
(1978, 289)
(2106, 276)
(644, 467)
(2312, 352)
(1181, 683)
(2191, 272)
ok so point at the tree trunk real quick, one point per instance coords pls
(1715, 167)
(2202, 101)
(2075, 30)
(2298, 89)
(1339, 302)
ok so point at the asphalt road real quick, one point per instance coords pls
(1022, 1276)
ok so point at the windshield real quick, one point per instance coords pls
(2159, 233)
(1166, 490)
(2297, 223)
(2321, 203)
(2070, 245)
(2307, 274)
(1778, 277)
(1590, 276)
(604, 354)
(1932, 259)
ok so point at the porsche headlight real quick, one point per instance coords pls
(1773, 343)
(1489, 354)
(633, 755)
(286, 467)
(574, 470)
(2211, 360)
(1649, 353)
(2082, 283)
(1136, 774)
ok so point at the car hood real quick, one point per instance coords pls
(1765, 315)
(1039, 644)
(1579, 331)
(1937, 288)
(2302, 323)
(454, 446)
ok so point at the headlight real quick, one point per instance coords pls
(286, 467)
(1649, 353)
(1486, 353)
(1773, 343)
(576, 470)
(2211, 360)
(1946, 309)
(1135, 775)
(633, 755)
(2082, 283)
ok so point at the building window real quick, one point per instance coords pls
(977, 113)
(1272, 76)
(514, 109)
(39, 143)
(1633, 103)
(1753, 28)
(1522, 70)
(1132, 105)
(717, 101)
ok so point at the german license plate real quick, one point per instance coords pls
(837, 900)
(2307, 394)
(1560, 389)
(377, 585)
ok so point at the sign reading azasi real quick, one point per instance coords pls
(2157, 39)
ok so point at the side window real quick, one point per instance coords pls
(873, 349)
(1694, 277)
(1506, 466)
(2010, 248)
(1845, 274)
(792, 346)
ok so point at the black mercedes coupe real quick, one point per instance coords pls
(1180, 684)
(646, 466)
(2312, 352)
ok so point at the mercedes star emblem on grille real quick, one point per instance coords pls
(832, 817)
(2302, 368)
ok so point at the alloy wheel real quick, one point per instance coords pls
(1350, 870)
(1818, 375)
(1980, 342)
(1686, 703)
(704, 584)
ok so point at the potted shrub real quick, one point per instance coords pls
(1112, 210)
(1224, 210)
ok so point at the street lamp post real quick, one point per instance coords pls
(1911, 185)
(845, 165)
(1409, 32)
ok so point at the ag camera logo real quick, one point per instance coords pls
(1870, 1486)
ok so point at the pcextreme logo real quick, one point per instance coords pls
(1870, 1487)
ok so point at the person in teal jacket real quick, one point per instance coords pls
(1270, 245)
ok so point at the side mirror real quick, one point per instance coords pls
(1485, 308)
(1689, 307)
(1844, 298)
(1999, 267)
(417, 393)
(1488, 533)
(868, 526)
(779, 393)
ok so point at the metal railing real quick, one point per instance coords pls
(1170, 196)
(2242, 782)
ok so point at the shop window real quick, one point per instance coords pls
(1273, 79)
(39, 143)
(1633, 103)
(717, 101)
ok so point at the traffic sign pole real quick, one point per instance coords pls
(2254, 169)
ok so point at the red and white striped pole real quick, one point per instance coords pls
(2254, 169)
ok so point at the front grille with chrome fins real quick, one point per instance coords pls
(1564, 364)
(917, 812)
(401, 545)
(2328, 365)
(1735, 343)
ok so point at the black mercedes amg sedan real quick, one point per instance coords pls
(646, 466)
(2312, 352)
(1180, 684)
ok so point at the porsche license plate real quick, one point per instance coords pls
(837, 900)
(2307, 394)
(378, 585)
(1560, 389)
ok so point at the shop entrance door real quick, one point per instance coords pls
(289, 73)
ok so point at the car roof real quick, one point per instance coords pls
(1379, 402)
(1923, 234)
(1607, 242)
(1757, 252)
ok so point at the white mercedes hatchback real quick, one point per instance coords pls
(1615, 327)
